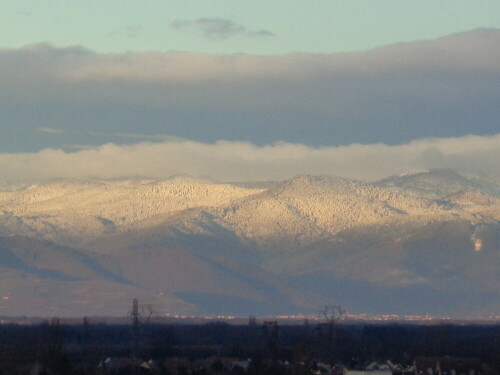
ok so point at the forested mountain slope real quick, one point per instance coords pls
(422, 242)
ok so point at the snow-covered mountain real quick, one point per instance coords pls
(426, 242)
(437, 184)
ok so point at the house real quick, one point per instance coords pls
(448, 366)
(118, 365)
(176, 365)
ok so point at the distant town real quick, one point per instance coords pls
(349, 318)
(230, 345)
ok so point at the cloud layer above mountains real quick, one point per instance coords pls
(404, 107)
(239, 161)
(448, 87)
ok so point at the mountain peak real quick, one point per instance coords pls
(314, 184)
(435, 183)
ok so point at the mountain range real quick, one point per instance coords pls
(417, 243)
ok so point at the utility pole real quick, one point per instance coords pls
(85, 339)
(135, 329)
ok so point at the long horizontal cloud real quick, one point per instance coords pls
(465, 52)
(447, 87)
(240, 161)
(219, 28)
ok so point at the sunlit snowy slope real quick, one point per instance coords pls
(424, 242)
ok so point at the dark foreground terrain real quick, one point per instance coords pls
(256, 348)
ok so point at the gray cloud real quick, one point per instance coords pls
(243, 161)
(218, 28)
(136, 137)
(49, 130)
(449, 87)
(130, 31)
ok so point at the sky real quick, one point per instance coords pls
(247, 90)
(237, 26)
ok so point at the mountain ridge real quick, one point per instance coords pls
(198, 246)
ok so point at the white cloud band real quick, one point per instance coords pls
(240, 161)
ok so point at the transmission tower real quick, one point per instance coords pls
(270, 331)
(139, 310)
(331, 315)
